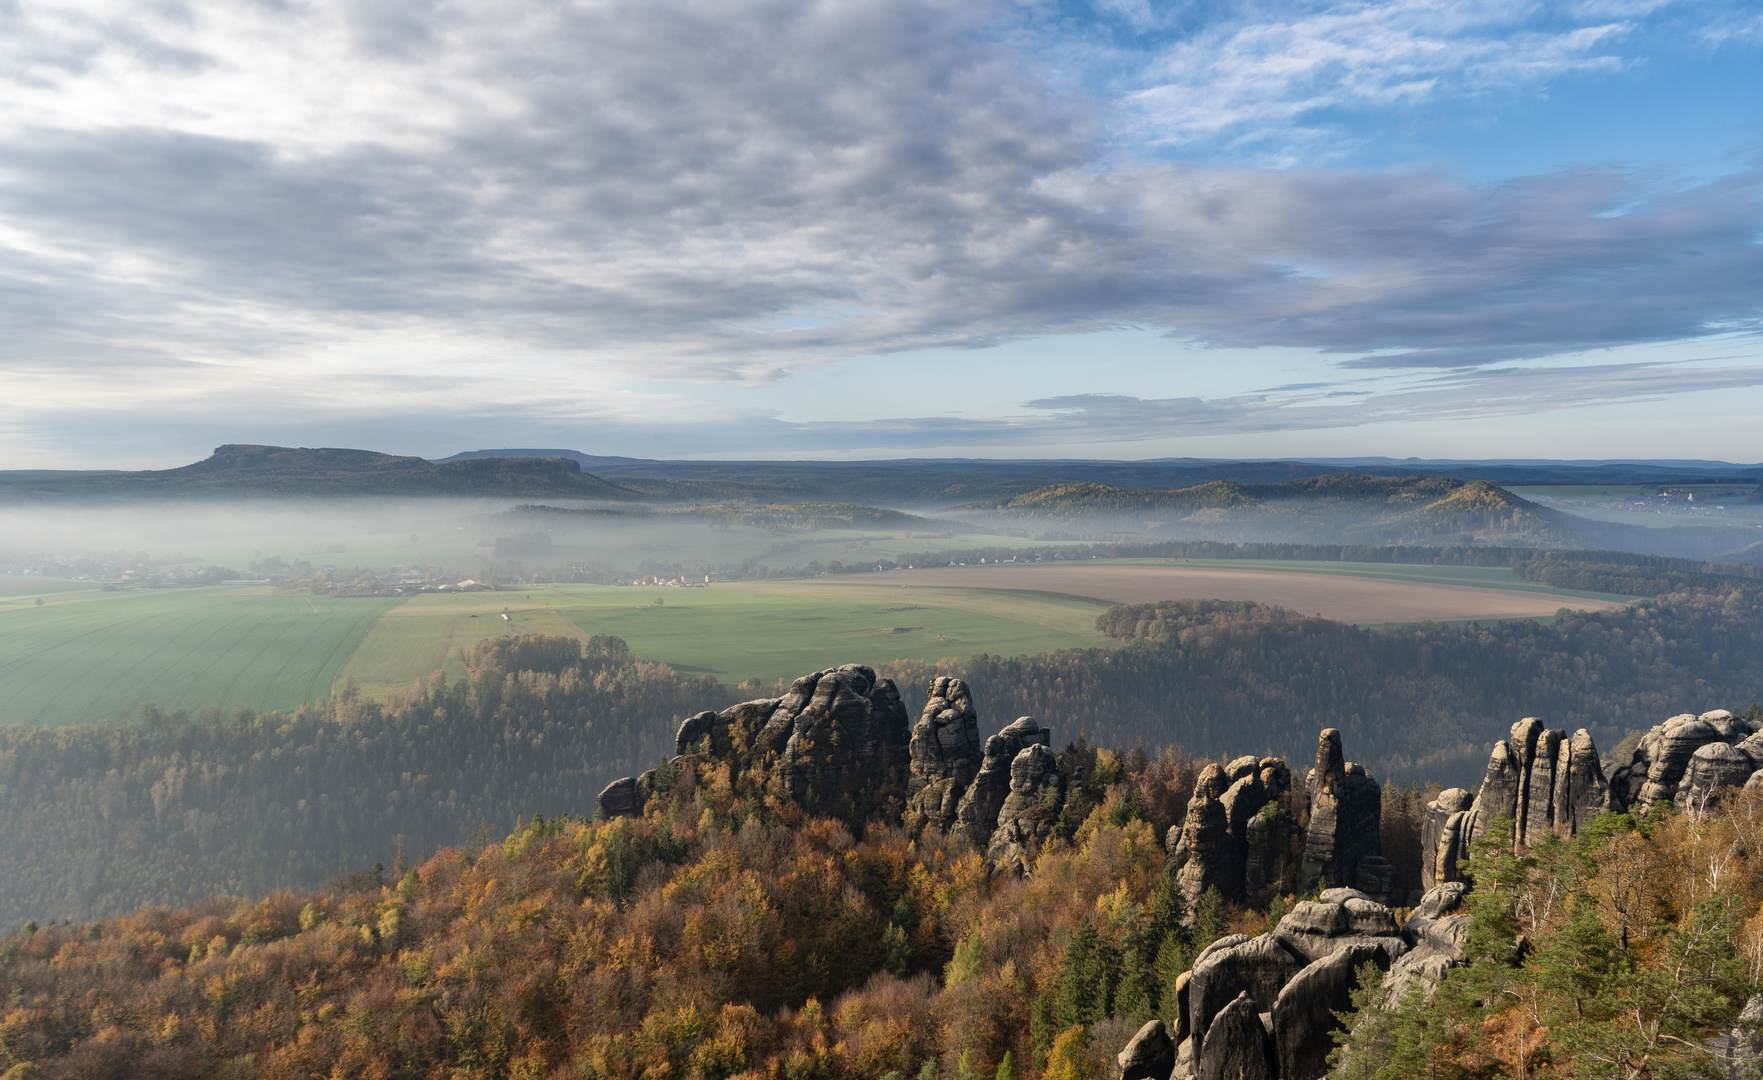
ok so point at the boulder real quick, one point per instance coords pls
(1303, 1015)
(1346, 806)
(1149, 1056)
(1239, 1047)
(623, 797)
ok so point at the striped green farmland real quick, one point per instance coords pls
(88, 654)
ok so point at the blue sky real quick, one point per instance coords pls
(793, 228)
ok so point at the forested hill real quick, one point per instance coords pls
(1348, 507)
(257, 471)
(100, 818)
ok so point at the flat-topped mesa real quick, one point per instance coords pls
(835, 742)
(1343, 844)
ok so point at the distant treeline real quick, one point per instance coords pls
(1417, 702)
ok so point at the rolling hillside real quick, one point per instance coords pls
(1348, 507)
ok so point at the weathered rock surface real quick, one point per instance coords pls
(1242, 837)
(1442, 837)
(836, 741)
(1241, 1047)
(621, 798)
(1258, 967)
(1711, 768)
(1030, 812)
(1290, 980)
(1303, 1014)
(1663, 770)
(1346, 806)
(1201, 847)
(1149, 1056)
(1540, 780)
(945, 754)
(977, 813)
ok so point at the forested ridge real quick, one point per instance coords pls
(96, 819)
(727, 935)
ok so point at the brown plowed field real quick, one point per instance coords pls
(1333, 596)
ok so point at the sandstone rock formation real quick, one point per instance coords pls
(945, 754)
(1030, 812)
(1346, 806)
(835, 742)
(1149, 1056)
(1540, 780)
(1664, 767)
(977, 813)
(1265, 1006)
(1240, 837)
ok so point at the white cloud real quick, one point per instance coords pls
(380, 202)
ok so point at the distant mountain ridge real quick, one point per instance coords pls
(944, 482)
(236, 470)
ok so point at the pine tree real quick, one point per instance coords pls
(1077, 997)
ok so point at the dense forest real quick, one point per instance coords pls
(96, 819)
(169, 809)
(1419, 702)
(723, 935)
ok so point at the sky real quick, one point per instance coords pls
(824, 228)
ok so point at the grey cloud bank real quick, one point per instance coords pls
(214, 203)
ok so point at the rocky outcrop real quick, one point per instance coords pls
(945, 754)
(1662, 768)
(1242, 1047)
(1540, 780)
(1201, 847)
(1149, 1056)
(621, 798)
(977, 812)
(1303, 1015)
(1435, 931)
(1442, 836)
(1346, 806)
(836, 742)
(1240, 836)
(1030, 812)
(1289, 982)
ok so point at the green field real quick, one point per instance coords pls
(768, 630)
(86, 654)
